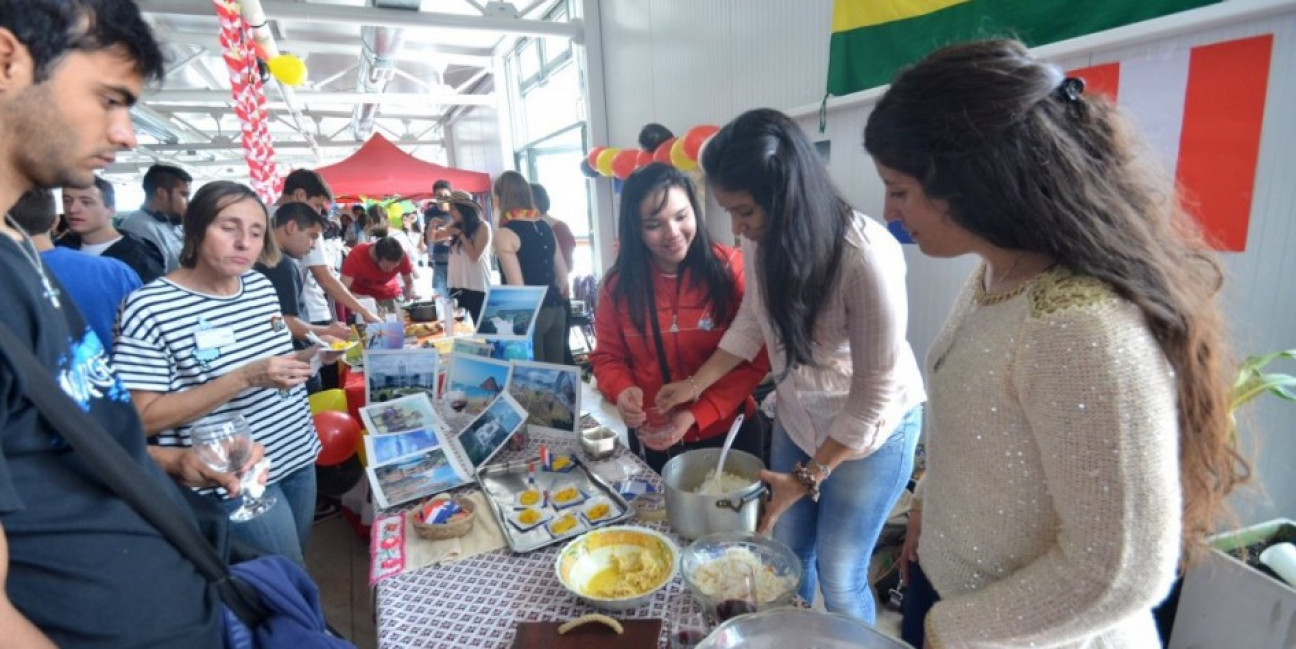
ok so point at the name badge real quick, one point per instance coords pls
(214, 338)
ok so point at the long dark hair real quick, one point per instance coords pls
(1028, 162)
(764, 153)
(633, 267)
(469, 220)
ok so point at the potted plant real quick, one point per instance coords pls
(1229, 599)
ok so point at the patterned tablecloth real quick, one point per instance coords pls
(477, 602)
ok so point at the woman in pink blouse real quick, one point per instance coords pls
(829, 303)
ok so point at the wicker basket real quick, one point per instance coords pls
(456, 528)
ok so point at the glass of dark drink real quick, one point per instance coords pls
(688, 625)
(741, 598)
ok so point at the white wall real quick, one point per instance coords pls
(684, 63)
(473, 142)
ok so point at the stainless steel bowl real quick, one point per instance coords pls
(598, 443)
(781, 628)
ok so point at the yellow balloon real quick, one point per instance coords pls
(360, 449)
(288, 69)
(327, 401)
(603, 163)
(679, 158)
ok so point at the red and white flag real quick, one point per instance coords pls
(1202, 108)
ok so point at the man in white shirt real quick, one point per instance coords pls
(166, 191)
(89, 218)
(319, 282)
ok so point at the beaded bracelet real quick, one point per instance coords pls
(697, 394)
(807, 479)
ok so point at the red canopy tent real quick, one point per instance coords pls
(379, 168)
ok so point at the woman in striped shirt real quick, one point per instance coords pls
(209, 340)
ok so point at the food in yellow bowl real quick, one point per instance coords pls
(617, 568)
(630, 574)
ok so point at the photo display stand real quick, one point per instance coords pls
(413, 453)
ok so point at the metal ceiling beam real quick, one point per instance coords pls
(279, 144)
(304, 12)
(213, 110)
(419, 53)
(470, 56)
(385, 98)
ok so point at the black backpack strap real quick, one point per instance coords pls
(119, 472)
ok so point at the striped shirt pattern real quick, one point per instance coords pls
(157, 351)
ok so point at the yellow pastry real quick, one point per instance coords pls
(529, 517)
(567, 495)
(597, 511)
(563, 525)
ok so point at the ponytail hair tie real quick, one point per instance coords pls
(1070, 89)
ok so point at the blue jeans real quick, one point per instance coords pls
(284, 528)
(440, 274)
(835, 537)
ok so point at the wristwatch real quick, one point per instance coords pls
(823, 469)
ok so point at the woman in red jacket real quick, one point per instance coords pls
(661, 313)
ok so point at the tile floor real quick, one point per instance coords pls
(339, 562)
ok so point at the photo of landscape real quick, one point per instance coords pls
(549, 393)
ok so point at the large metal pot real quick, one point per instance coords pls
(693, 515)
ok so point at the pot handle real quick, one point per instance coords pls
(742, 502)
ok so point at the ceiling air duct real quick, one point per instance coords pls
(379, 46)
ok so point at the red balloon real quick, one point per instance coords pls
(695, 137)
(592, 156)
(645, 158)
(625, 163)
(662, 153)
(339, 434)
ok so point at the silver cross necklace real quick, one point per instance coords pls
(33, 257)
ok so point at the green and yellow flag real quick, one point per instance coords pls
(873, 39)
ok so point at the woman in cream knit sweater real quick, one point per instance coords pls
(1078, 415)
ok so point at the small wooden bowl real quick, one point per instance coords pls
(450, 530)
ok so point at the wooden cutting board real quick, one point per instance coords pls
(639, 634)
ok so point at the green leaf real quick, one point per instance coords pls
(1252, 381)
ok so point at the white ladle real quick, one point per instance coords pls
(724, 452)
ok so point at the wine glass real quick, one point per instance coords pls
(740, 596)
(688, 626)
(457, 399)
(225, 444)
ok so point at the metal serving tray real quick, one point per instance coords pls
(501, 483)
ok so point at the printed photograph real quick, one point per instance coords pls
(488, 432)
(382, 449)
(414, 477)
(467, 347)
(473, 382)
(402, 415)
(510, 311)
(549, 393)
(391, 374)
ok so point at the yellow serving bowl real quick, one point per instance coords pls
(591, 566)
